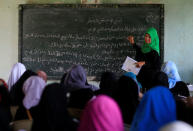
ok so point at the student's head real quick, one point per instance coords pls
(127, 96)
(33, 88)
(180, 89)
(16, 72)
(76, 78)
(160, 79)
(79, 98)
(156, 109)
(171, 70)
(42, 74)
(2, 82)
(101, 114)
(108, 80)
(107, 83)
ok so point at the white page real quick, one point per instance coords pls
(130, 66)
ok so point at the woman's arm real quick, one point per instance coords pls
(139, 54)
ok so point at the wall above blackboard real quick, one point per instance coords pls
(54, 37)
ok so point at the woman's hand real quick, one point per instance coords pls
(139, 64)
(131, 39)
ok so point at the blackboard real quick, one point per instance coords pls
(54, 37)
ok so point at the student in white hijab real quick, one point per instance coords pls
(16, 72)
(32, 89)
(177, 126)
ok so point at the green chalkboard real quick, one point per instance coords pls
(54, 37)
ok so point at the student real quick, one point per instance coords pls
(101, 114)
(171, 70)
(107, 83)
(16, 92)
(76, 79)
(160, 79)
(53, 114)
(134, 77)
(2, 82)
(127, 96)
(32, 89)
(16, 72)
(156, 109)
(5, 113)
(148, 57)
(79, 98)
(180, 89)
(42, 74)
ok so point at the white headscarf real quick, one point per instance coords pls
(171, 70)
(17, 71)
(33, 88)
(177, 126)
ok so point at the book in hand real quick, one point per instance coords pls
(130, 66)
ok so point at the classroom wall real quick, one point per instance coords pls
(177, 42)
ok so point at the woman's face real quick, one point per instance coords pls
(147, 38)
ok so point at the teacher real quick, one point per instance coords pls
(148, 57)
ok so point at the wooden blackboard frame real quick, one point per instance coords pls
(37, 6)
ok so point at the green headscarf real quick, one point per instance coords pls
(154, 45)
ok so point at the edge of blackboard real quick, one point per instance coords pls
(25, 6)
(20, 33)
(88, 5)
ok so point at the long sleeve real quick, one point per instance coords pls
(139, 54)
(152, 59)
(149, 69)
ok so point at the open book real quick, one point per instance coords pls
(130, 66)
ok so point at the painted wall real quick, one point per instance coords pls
(178, 39)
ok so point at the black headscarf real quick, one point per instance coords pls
(160, 79)
(5, 113)
(79, 98)
(180, 89)
(53, 115)
(107, 84)
(16, 92)
(126, 95)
